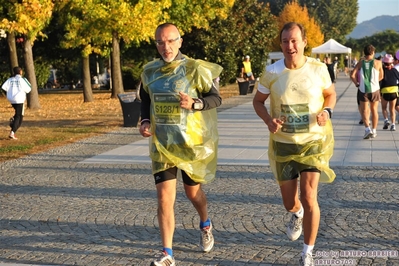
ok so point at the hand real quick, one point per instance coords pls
(322, 118)
(145, 129)
(186, 101)
(274, 125)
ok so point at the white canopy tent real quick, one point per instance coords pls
(333, 47)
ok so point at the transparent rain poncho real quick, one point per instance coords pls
(183, 138)
(296, 97)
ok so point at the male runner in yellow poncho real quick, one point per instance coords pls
(179, 98)
(302, 98)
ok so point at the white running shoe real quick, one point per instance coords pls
(294, 227)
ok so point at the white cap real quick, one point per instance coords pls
(247, 56)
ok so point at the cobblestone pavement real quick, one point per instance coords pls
(56, 211)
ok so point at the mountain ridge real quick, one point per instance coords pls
(375, 25)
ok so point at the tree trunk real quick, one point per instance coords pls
(87, 90)
(12, 47)
(116, 72)
(33, 96)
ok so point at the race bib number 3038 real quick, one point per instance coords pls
(295, 117)
(167, 108)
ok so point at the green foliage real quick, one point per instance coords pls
(387, 41)
(42, 70)
(337, 18)
(131, 75)
(249, 29)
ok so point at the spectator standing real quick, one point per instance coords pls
(371, 73)
(336, 62)
(179, 96)
(330, 67)
(246, 70)
(16, 87)
(302, 98)
(389, 91)
(346, 64)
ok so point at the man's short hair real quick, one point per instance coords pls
(291, 25)
(165, 25)
(17, 70)
(369, 50)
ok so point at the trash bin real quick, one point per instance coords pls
(251, 86)
(131, 108)
(243, 86)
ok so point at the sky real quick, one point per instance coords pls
(369, 9)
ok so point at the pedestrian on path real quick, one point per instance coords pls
(371, 73)
(389, 91)
(179, 97)
(302, 98)
(246, 69)
(16, 87)
(396, 66)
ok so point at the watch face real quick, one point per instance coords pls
(198, 105)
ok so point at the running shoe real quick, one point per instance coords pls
(393, 128)
(164, 260)
(294, 228)
(367, 133)
(386, 124)
(374, 135)
(12, 135)
(206, 239)
(306, 260)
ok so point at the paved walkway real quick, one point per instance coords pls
(94, 202)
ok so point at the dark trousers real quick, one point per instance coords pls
(18, 116)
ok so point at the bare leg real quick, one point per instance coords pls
(384, 105)
(374, 113)
(198, 198)
(308, 184)
(289, 193)
(392, 111)
(365, 113)
(166, 216)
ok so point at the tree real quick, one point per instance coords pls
(27, 18)
(293, 12)
(387, 41)
(337, 18)
(248, 29)
(100, 26)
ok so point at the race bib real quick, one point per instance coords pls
(167, 108)
(295, 117)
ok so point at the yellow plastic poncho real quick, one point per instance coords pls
(296, 96)
(183, 138)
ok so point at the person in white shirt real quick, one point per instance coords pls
(16, 87)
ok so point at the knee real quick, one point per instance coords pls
(309, 200)
(194, 195)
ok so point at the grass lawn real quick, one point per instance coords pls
(64, 118)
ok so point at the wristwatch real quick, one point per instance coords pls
(329, 111)
(197, 105)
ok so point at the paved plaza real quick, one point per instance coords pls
(93, 202)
